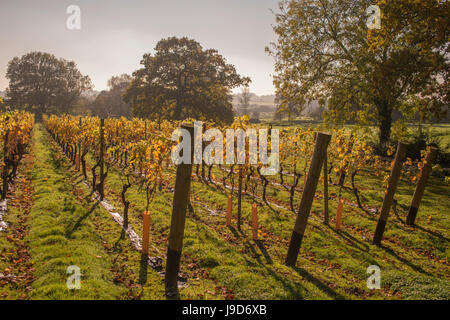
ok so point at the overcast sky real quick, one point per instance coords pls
(116, 33)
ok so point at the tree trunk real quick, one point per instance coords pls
(239, 199)
(420, 124)
(39, 112)
(385, 118)
(178, 108)
(126, 204)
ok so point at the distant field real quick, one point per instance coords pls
(443, 130)
(440, 130)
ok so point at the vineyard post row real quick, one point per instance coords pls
(319, 158)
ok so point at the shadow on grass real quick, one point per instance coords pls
(352, 241)
(238, 234)
(285, 283)
(79, 178)
(80, 220)
(143, 269)
(403, 260)
(433, 233)
(121, 238)
(319, 284)
(260, 244)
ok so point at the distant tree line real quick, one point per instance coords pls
(110, 103)
(180, 80)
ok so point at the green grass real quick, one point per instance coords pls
(142, 281)
(62, 234)
(221, 262)
(439, 130)
(208, 256)
(417, 286)
(332, 263)
(443, 132)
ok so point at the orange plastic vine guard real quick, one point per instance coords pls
(229, 209)
(146, 232)
(77, 163)
(339, 214)
(255, 221)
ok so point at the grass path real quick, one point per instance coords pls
(130, 267)
(63, 233)
(61, 227)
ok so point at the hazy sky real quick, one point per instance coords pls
(116, 33)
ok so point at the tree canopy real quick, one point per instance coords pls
(182, 80)
(110, 103)
(41, 83)
(326, 52)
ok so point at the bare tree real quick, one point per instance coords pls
(244, 99)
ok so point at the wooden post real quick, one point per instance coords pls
(146, 232)
(101, 185)
(269, 146)
(180, 202)
(320, 149)
(339, 214)
(229, 209)
(145, 133)
(239, 208)
(325, 190)
(390, 192)
(5, 166)
(254, 222)
(78, 161)
(420, 188)
(203, 150)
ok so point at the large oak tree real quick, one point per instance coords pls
(41, 83)
(326, 52)
(182, 80)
